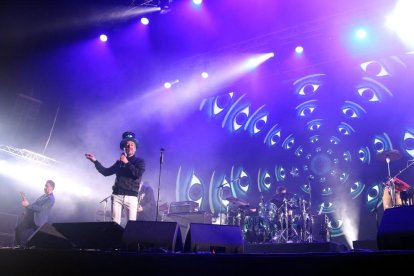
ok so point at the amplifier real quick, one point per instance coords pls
(183, 207)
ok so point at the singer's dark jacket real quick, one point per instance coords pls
(128, 176)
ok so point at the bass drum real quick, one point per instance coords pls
(258, 229)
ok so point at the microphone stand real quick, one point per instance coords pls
(159, 181)
(106, 202)
(221, 202)
(305, 226)
(221, 187)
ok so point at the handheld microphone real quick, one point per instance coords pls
(124, 153)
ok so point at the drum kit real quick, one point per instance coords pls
(400, 192)
(284, 219)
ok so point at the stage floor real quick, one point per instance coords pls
(321, 259)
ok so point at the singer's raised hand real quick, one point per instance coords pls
(90, 156)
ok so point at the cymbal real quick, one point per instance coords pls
(392, 155)
(237, 201)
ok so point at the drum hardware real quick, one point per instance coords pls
(388, 156)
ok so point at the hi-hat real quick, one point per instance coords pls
(392, 155)
(237, 201)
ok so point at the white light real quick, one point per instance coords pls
(299, 50)
(167, 85)
(361, 33)
(144, 21)
(204, 75)
(103, 38)
(256, 61)
(197, 2)
(401, 21)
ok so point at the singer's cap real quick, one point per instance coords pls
(128, 136)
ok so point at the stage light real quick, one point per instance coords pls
(361, 34)
(169, 84)
(144, 21)
(204, 75)
(401, 21)
(299, 50)
(197, 2)
(165, 6)
(256, 61)
(103, 38)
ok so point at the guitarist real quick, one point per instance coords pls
(35, 215)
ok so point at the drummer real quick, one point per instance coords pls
(280, 197)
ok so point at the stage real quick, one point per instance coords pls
(291, 262)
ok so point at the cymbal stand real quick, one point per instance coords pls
(221, 202)
(284, 222)
(306, 236)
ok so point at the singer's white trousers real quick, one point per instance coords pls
(124, 202)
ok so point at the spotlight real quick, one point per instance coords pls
(103, 38)
(204, 75)
(168, 84)
(400, 21)
(299, 50)
(144, 21)
(253, 62)
(361, 34)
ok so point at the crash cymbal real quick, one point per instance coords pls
(392, 155)
(237, 201)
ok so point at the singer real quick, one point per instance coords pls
(128, 170)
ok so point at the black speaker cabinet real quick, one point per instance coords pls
(396, 231)
(214, 238)
(184, 220)
(152, 236)
(48, 237)
(92, 235)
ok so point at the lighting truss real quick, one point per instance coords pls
(28, 155)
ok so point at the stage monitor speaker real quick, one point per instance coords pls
(48, 237)
(92, 235)
(396, 231)
(152, 236)
(214, 238)
(184, 220)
